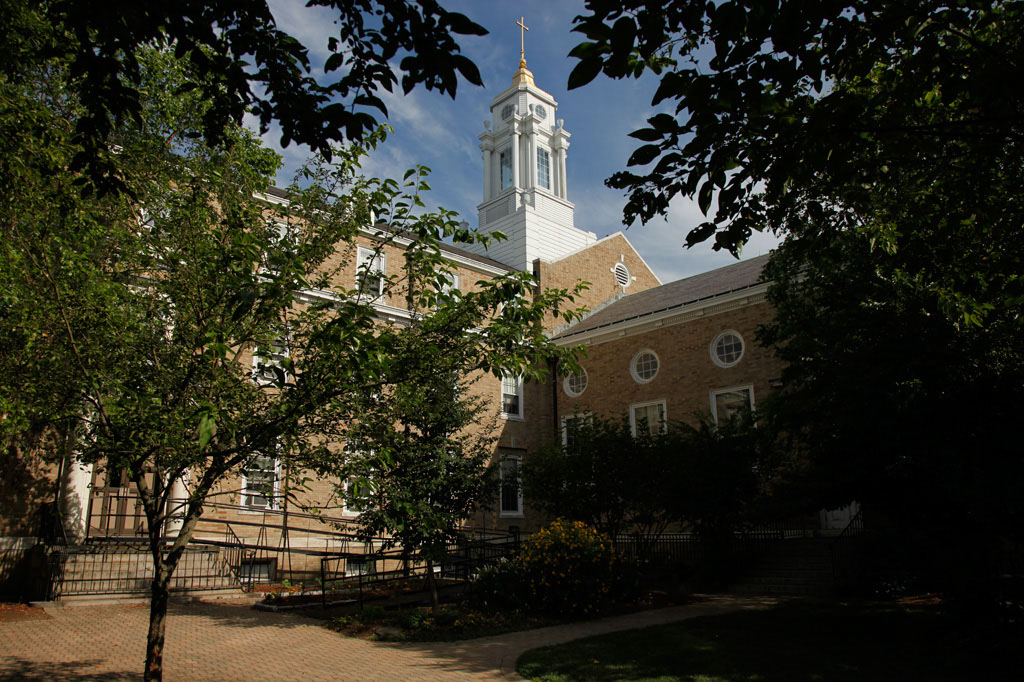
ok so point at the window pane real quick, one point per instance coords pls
(543, 169)
(649, 419)
(728, 403)
(510, 485)
(510, 403)
(371, 271)
(506, 169)
(729, 349)
(645, 366)
(511, 396)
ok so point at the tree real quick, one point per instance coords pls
(883, 139)
(796, 116)
(601, 475)
(710, 478)
(145, 301)
(892, 404)
(239, 62)
(418, 457)
(125, 315)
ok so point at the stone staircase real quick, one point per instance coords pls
(795, 566)
(126, 569)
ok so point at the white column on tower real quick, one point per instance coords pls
(515, 155)
(487, 174)
(531, 161)
(563, 185)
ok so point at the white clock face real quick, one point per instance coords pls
(506, 112)
(541, 111)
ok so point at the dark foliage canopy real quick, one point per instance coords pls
(240, 61)
(759, 103)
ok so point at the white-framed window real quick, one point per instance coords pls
(647, 419)
(505, 168)
(571, 423)
(452, 282)
(543, 168)
(265, 367)
(512, 397)
(574, 384)
(727, 349)
(148, 217)
(356, 495)
(644, 366)
(360, 565)
(261, 482)
(372, 271)
(511, 503)
(726, 402)
(279, 233)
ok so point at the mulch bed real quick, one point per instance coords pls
(11, 612)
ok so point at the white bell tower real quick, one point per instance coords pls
(525, 194)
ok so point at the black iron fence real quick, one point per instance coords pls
(127, 568)
(362, 572)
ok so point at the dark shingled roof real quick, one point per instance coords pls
(447, 248)
(677, 294)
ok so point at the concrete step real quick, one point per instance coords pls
(796, 570)
(791, 590)
(782, 580)
(792, 567)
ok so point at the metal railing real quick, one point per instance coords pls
(127, 568)
(362, 572)
(54, 539)
(847, 556)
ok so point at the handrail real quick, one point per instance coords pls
(854, 527)
(458, 555)
(840, 558)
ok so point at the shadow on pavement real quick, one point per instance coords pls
(21, 669)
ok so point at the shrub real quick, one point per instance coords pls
(569, 569)
(411, 620)
(501, 587)
(372, 613)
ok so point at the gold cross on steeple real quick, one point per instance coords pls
(522, 42)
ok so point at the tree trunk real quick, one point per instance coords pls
(157, 624)
(435, 602)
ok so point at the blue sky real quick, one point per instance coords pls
(442, 133)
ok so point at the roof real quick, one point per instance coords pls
(454, 250)
(279, 193)
(742, 275)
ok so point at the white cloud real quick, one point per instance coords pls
(311, 26)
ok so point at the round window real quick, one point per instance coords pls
(507, 111)
(644, 366)
(727, 349)
(622, 274)
(540, 111)
(575, 384)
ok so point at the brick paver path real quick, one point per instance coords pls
(231, 641)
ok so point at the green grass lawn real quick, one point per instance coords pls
(798, 641)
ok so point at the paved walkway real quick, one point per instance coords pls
(231, 641)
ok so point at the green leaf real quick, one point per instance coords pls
(646, 135)
(585, 72)
(644, 155)
(705, 195)
(206, 429)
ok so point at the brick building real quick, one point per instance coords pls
(653, 351)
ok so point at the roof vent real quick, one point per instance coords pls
(622, 275)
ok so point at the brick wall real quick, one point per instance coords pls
(686, 373)
(594, 265)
